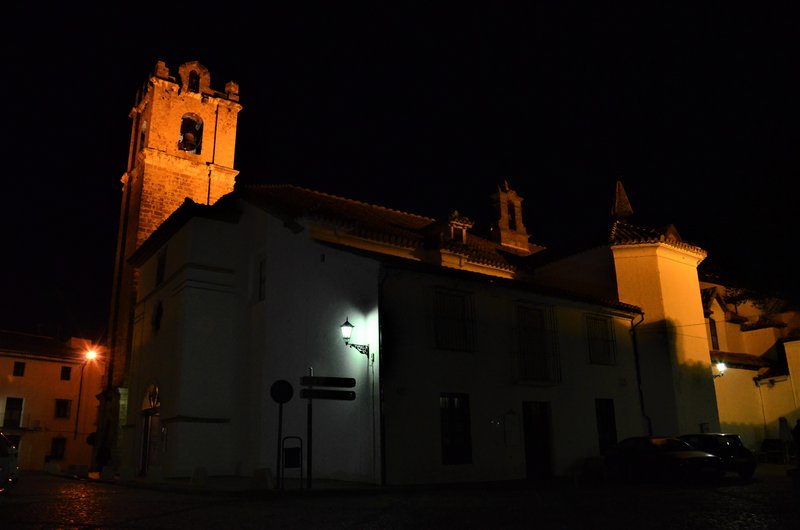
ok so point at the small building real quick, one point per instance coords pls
(47, 399)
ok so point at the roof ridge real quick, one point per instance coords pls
(339, 197)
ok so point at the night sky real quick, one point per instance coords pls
(415, 108)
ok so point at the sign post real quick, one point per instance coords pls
(312, 393)
(281, 392)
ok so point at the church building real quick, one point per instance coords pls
(273, 330)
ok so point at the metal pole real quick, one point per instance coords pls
(308, 427)
(278, 471)
(78, 408)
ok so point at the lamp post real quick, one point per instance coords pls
(89, 356)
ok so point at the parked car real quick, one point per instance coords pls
(643, 458)
(9, 470)
(728, 446)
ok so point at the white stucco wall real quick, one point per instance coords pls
(416, 373)
(219, 350)
(662, 280)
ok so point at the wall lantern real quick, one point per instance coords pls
(721, 367)
(347, 330)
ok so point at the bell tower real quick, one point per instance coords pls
(509, 231)
(182, 142)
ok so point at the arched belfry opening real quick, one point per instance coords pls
(194, 81)
(194, 78)
(191, 136)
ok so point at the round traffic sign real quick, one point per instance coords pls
(281, 391)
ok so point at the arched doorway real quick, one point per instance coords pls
(152, 438)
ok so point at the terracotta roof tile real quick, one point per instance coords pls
(624, 233)
(372, 222)
(37, 345)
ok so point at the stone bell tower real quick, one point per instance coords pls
(182, 142)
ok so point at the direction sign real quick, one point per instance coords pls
(341, 382)
(322, 393)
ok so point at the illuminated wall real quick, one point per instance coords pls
(39, 388)
(220, 346)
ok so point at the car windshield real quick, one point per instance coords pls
(730, 441)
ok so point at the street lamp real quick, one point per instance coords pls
(90, 355)
(347, 330)
(721, 367)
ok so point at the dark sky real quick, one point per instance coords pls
(417, 108)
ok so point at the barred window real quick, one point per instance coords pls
(537, 359)
(454, 320)
(601, 340)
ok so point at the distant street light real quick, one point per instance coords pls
(90, 355)
(721, 367)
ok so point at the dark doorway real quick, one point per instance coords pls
(606, 423)
(537, 427)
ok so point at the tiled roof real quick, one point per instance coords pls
(372, 222)
(739, 360)
(36, 345)
(624, 233)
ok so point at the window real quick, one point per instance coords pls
(62, 408)
(161, 267)
(13, 414)
(19, 368)
(454, 320)
(261, 277)
(606, 423)
(158, 315)
(601, 340)
(512, 216)
(712, 327)
(58, 447)
(537, 360)
(456, 436)
(66, 373)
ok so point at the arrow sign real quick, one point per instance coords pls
(321, 393)
(340, 382)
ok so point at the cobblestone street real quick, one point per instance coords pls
(44, 501)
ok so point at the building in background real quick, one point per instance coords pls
(758, 385)
(48, 404)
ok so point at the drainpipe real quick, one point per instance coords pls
(381, 424)
(213, 154)
(639, 373)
